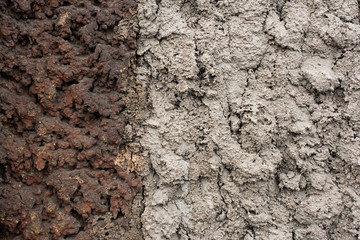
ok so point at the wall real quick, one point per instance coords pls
(180, 119)
(254, 121)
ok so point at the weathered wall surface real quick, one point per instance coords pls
(253, 128)
(65, 85)
(242, 119)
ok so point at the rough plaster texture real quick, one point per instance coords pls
(243, 119)
(252, 128)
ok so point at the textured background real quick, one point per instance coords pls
(254, 125)
(65, 81)
(180, 119)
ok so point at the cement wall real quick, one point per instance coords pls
(253, 130)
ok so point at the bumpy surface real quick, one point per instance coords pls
(243, 119)
(253, 130)
(65, 71)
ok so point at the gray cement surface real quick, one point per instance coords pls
(251, 129)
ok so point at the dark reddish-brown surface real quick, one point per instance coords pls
(64, 66)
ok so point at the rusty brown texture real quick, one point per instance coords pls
(64, 69)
